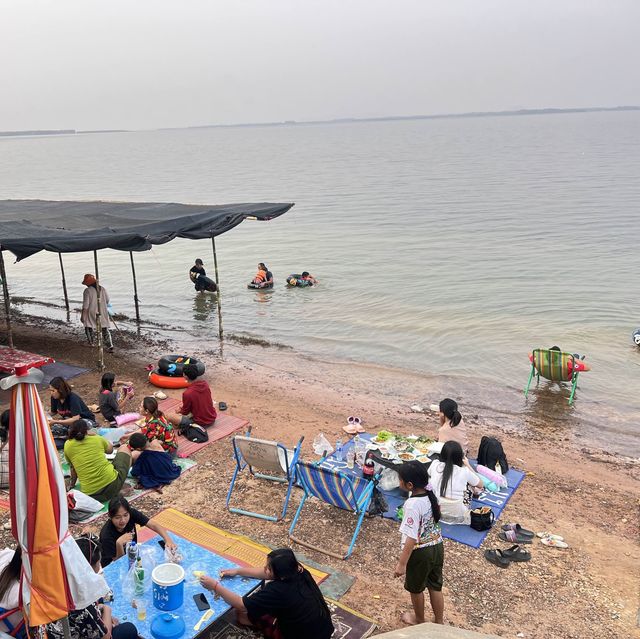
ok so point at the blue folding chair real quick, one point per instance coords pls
(7, 628)
(270, 457)
(337, 489)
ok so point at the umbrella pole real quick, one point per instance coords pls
(215, 266)
(135, 290)
(98, 321)
(7, 300)
(64, 285)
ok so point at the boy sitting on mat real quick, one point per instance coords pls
(197, 404)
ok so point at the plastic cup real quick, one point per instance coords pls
(141, 607)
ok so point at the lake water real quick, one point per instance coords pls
(450, 247)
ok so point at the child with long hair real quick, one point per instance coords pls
(422, 555)
(112, 401)
(157, 426)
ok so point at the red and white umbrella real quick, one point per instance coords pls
(56, 578)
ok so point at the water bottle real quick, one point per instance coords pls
(339, 451)
(132, 553)
(138, 578)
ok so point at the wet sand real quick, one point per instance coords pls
(583, 492)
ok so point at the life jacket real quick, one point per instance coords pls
(261, 276)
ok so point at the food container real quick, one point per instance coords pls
(168, 586)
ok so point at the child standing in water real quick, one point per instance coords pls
(422, 555)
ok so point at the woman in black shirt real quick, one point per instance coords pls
(67, 405)
(289, 604)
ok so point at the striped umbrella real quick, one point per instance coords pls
(56, 578)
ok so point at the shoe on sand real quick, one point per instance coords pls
(550, 535)
(553, 543)
(160, 395)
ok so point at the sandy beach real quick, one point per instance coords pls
(580, 491)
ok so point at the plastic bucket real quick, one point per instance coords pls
(168, 586)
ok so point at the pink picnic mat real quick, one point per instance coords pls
(224, 425)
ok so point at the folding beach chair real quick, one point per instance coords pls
(269, 457)
(553, 365)
(337, 489)
(9, 630)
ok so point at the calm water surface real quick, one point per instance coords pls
(443, 246)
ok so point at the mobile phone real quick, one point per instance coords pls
(161, 543)
(201, 601)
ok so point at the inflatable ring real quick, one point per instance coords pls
(258, 287)
(173, 365)
(295, 279)
(636, 337)
(164, 381)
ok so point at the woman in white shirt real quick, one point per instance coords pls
(10, 568)
(451, 478)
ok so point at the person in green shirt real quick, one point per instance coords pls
(85, 451)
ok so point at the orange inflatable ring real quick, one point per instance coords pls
(164, 381)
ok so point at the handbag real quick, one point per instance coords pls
(482, 518)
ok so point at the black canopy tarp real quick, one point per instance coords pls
(30, 226)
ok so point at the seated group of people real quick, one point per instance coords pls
(149, 452)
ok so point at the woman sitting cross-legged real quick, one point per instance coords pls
(288, 606)
(451, 478)
(152, 466)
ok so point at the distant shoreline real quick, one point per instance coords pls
(387, 118)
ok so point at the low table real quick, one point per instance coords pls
(12, 357)
(194, 558)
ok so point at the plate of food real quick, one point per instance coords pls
(423, 459)
(406, 456)
(382, 436)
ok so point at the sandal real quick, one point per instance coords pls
(516, 553)
(160, 395)
(514, 537)
(554, 543)
(497, 558)
(519, 529)
(549, 535)
(355, 422)
(350, 430)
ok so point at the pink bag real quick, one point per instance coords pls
(499, 479)
(126, 418)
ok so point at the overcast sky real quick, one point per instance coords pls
(87, 64)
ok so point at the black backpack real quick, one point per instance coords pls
(195, 433)
(491, 453)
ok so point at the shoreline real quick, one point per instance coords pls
(582, 494)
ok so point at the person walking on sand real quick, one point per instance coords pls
(90, 311)
(422, 555)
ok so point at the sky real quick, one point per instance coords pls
(141, 64)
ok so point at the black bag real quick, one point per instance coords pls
(491, 453)
(482, 518)
(59, 432)
(378, 504)
(195, 433)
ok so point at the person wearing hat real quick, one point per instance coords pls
(90, 311)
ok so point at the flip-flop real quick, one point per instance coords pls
(517, 553)
(416, 408)
(149, 367)
(350, 430)
(354, 422)
(513, 537)
(519, 529)
(549, 535)
(554, 543)
(497, 558)
(160, 395)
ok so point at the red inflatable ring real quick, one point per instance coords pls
(164, 381)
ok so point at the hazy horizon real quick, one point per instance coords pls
(85, 64)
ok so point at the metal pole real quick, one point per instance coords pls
(98, 321)
(215, 266)
(66, 628)
(64, 283)
(7, 301)
(135, 289)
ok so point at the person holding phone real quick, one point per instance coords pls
(289, 601)
(121, 529)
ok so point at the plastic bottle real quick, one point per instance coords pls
(368, 468)
(339, 451)
(138, 578)
(132, 553)
(351, 458)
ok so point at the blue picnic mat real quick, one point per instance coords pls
(60, 369)
(460, 533)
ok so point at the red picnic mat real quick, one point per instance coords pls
(224, 425)
(12, 357)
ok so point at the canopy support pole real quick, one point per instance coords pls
(135, 290)
(64, 284)
(98, 320)
(7, 301)
(215, 266)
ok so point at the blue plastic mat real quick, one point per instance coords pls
(60, 369)
(460, 533)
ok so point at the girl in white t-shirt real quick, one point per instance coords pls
(451, 478)
(422, 555)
